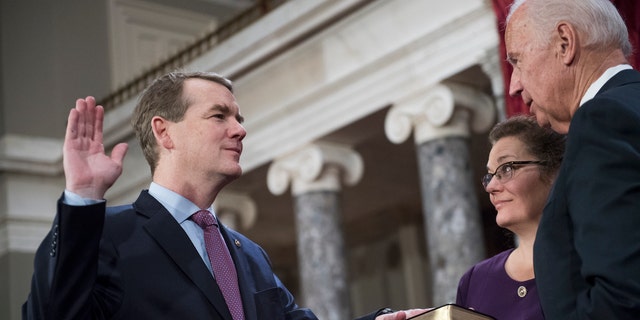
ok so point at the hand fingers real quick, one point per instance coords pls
(90, 117)
(118, 152)
(402, 315)
(392, 316)
(86, 120)
(414, 312)
(72, 125)
(98, 124)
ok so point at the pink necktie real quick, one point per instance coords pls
(221, 262)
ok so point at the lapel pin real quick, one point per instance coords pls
(237, 242)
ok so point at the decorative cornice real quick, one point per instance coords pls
(316, 166)
(361, 79)
(38, 155)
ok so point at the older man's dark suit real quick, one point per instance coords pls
(144, 267)
(587, 250)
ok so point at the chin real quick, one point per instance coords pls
(230, 173)
(502, 222)
(236, 173)
(560, 128)
(544, 123)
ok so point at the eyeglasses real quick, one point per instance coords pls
(504, 172)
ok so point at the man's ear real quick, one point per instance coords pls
(160, 127)
(566, 42)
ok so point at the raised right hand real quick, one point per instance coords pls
(89, 171)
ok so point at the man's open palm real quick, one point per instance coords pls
(89, 171)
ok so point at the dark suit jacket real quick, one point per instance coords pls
(587, 250)
(136, 262)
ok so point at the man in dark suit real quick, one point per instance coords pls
(571, 69)
(152, 259)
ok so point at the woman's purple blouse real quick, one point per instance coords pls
(487, 288)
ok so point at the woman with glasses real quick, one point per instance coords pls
(522, 165)
(521, 169)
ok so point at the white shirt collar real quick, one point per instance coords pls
(597, 85)
(178, 206)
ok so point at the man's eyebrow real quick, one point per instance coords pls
(226, 110)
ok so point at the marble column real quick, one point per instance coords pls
(442, 118)
(412, 265)
(491, 65)
(316, 173)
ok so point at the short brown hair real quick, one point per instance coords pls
(543, 143)
(163, 97)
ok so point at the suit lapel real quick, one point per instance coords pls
(164, 229)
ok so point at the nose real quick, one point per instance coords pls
(515, 86)
(237, 130)
(493, 185)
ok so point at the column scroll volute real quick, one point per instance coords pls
(316, 166)
(236, 209)
(446, 109)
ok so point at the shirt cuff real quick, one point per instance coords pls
(73, 199)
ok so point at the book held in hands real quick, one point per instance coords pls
(451, 312)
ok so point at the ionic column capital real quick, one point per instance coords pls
(490, 64)
(315, 167)
(235, 209)
(446, 109)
